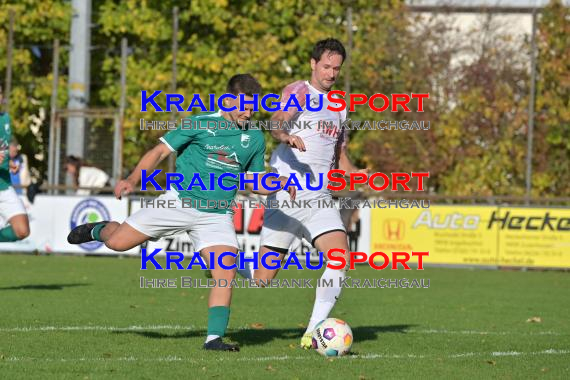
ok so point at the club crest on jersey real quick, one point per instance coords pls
(245, 140)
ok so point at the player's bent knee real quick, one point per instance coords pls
(22, 233)
(117, 245)
(21, 226)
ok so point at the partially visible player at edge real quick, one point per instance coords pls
(12, 209)
(200, 150)
(315, 151)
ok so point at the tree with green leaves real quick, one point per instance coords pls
(478, 107)
(551, 163)
(36, 25)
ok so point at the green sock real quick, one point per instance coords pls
(7, 234)
(96, 231)
(218, 318)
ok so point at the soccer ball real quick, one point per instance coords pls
(332, 337)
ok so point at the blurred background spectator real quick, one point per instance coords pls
(85, 175)
(19, 170)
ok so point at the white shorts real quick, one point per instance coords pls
(10, 204)
(204, 228)
(284, 227)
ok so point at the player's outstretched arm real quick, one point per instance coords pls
(262, 191)
(282, 135)
(299, 90)
(148, 162)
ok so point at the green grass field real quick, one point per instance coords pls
(86, 317)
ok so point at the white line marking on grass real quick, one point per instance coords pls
(266, 358)
(464, 355)
(473, 332)
(192, 327)
(508, 353)
(416, 356)
(550, 351)
(96, 328)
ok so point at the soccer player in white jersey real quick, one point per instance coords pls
(316, 151)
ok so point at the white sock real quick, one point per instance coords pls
(326, 296)
(247, 272)
(211, 337)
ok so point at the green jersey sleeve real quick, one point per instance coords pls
(179, 138)
(6, 133)
(257, 162)
(5, 138)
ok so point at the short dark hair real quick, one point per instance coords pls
(74, 160)
(330, 44)
(243, 84)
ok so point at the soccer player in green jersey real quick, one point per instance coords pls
(12, 209)
(203, 150)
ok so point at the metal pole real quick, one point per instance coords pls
(349, 50)
(79, 76)
(51, 148)
(118, 141)
(174, 49)
(172, 158)
(118, 149)
(533, 54)
(57, 151)
(8, 88)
